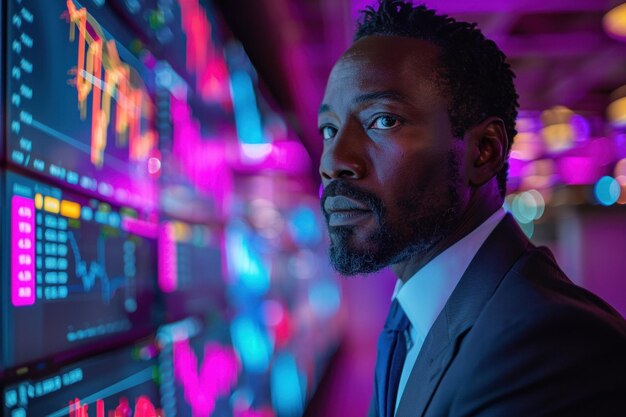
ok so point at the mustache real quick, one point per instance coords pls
(347, 189)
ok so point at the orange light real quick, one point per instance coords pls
(70, 209)
(614, 22)
(51, 204)
(616, 112)
(38, 201)
(557, 132)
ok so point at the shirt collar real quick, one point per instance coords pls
(423, 295)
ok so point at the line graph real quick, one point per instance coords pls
(101, 73)
(91, 272)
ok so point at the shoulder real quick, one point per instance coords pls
(538, 307)
(542, 343)
(535, 289)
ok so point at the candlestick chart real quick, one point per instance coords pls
(87, 120)
(102, 74)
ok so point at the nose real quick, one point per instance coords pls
(343, 156)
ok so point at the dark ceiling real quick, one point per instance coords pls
(558, 49)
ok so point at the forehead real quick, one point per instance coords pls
(386, 63)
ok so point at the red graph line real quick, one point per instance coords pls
(143, 408)
(203, 58)
(133, 102)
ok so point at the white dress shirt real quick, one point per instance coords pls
(424, 295)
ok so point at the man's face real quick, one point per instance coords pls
(393, 174)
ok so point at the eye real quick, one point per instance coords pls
(385, 122)
(328, 132)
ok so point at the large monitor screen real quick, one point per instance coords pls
(81, 273)
(119, 383)
(80, 105)
(191, 275)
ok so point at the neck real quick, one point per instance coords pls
(479, 208)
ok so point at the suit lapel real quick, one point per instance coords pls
(494, 259)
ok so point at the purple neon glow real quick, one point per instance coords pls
(216, 377)
(286, 156)
(577, 170)
(203, 160)
(23, 251)
(139, 227)
(168, 263)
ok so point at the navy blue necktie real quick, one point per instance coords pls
(390, 359)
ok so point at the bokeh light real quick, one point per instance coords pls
(304, 226)
(557, 130)
(526, 206)
(622, 182)
(252, 343)
(325, 298)
(607, 190)
(614, 22)
(288, 386)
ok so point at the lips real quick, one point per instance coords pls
(345, 211)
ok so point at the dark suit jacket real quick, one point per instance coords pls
(517, 338)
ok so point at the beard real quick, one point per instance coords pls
(425, 219)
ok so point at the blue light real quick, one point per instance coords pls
(247, 117)
(252, 344)
(524, 208)
(304, 226)
(245, 263)
(324, 298)
(288, 387)
(607, 190)
(527, 228)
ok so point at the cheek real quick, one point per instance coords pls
(401, 171)
(393, 164)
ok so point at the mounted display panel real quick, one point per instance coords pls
(82, 273)
(118, 383)
(80, 107)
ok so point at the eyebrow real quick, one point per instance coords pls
(368, 97)
(323, 109)
(380, 95)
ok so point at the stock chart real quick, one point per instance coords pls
(88, 120)
(119, 383)
(81, 271)
(161, 255)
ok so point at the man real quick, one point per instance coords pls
(417, 121)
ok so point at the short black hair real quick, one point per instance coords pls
(474, 72)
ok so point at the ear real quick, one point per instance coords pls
(488, 149)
